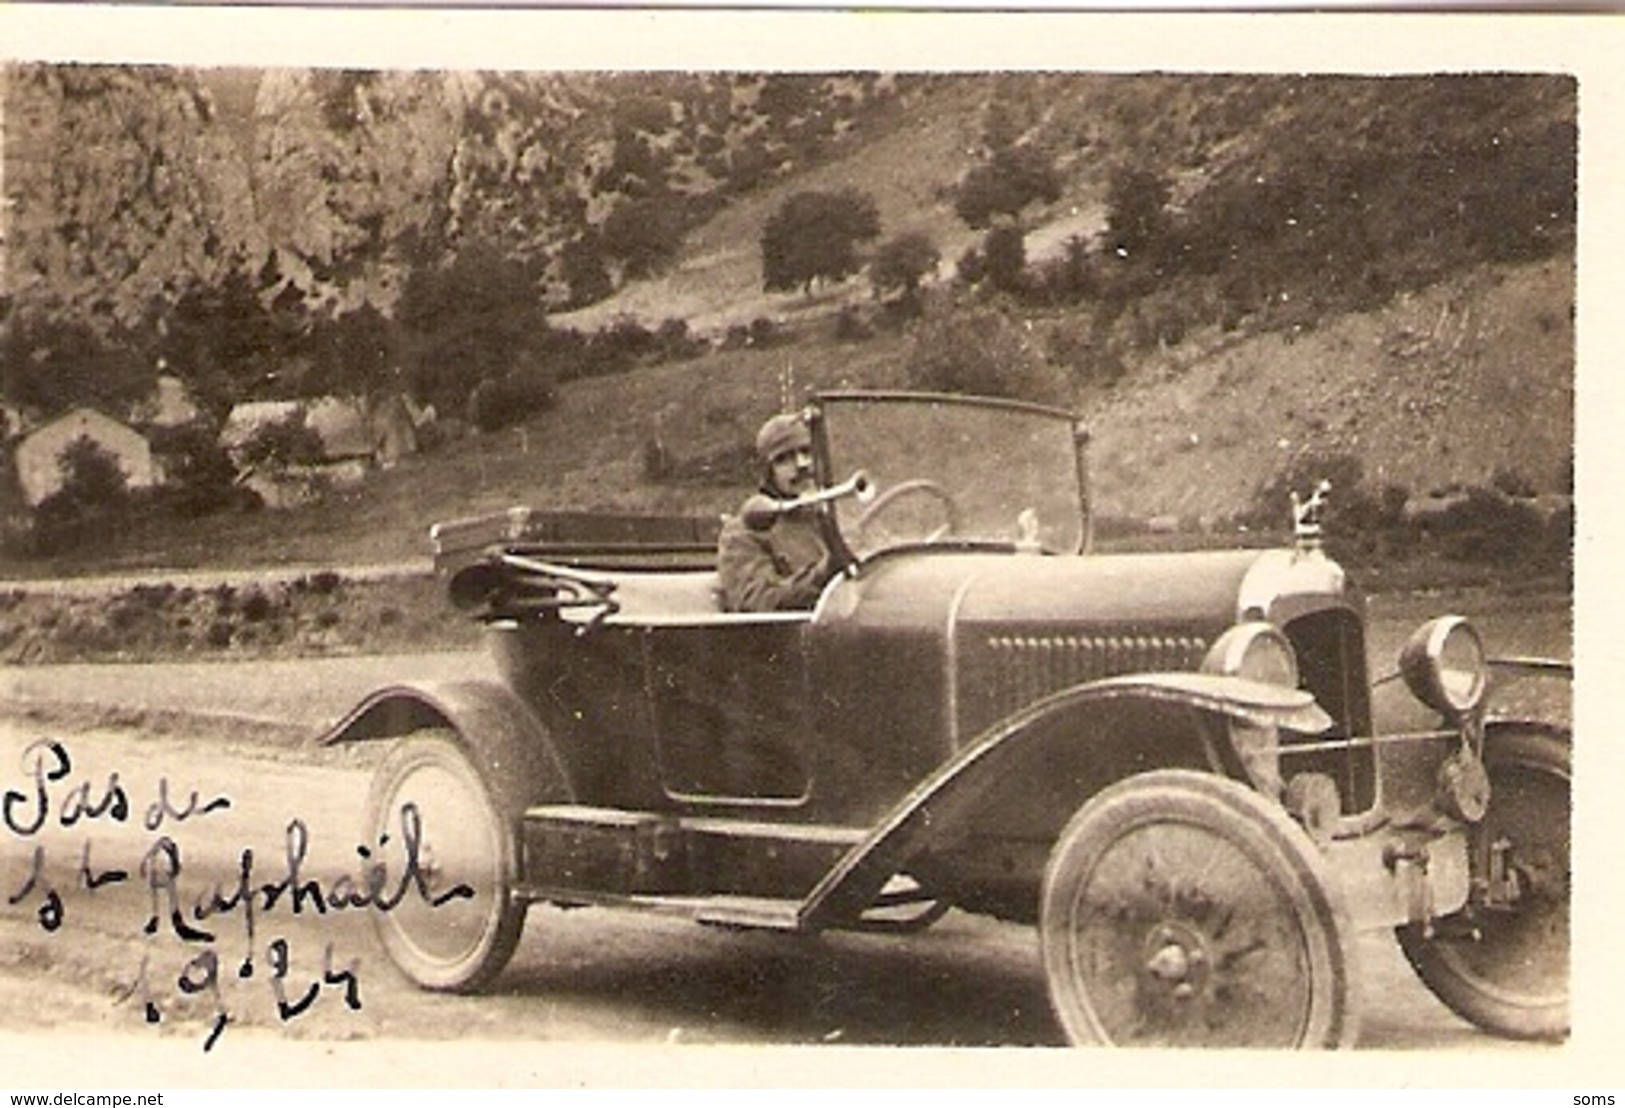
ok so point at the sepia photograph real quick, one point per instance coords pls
(536, 550)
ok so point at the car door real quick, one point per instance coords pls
(729, 700)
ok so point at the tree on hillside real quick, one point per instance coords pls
(51, 362)
(582, 268)
(901, 263)
(1004, 251)
(225, 340)
(982, 352)
(814, 236)
(353, 353)
(1013, 178)
(1136, 209)
(478, 318)
(636, 169)
(644, 234)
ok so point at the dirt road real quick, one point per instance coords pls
(83, 961)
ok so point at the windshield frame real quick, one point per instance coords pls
(825, 410)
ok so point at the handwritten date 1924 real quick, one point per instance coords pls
(202, 975)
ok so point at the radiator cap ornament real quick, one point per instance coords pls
(1307, 527)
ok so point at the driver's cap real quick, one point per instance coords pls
(781, 433)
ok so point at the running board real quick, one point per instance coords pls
(744, 872)
(754, 912)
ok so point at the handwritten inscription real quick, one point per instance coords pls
(197, 911)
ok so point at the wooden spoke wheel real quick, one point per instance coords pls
(1181, 909)
(1506, 969)
(446, 914)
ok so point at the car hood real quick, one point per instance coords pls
(1012, 628)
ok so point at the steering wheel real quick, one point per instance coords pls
(912, 487)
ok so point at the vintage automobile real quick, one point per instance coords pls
(1167, 762)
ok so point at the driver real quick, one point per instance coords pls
(771, 556)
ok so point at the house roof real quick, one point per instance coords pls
(244, 421)
(81, 421)
(342, 425)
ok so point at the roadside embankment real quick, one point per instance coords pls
(248, 615)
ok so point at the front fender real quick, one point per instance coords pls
(1035, 768)
(507, 744)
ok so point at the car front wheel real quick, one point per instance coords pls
(1181, 909)
(1506, 969)
(443, 904)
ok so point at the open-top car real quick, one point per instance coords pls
(1167, 762)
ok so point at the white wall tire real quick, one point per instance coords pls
(456, 922)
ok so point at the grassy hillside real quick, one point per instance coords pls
(716, 279)
(1443, 387)
(1452, 385)
(1382, 270)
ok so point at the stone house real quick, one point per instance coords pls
(38, 454)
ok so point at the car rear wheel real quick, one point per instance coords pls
(1182, 909)
(445, 910)
(1507, 969)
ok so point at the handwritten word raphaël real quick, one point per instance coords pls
(162, 866)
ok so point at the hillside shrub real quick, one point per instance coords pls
(644, 235)
(982, 353)
(901, 263)
(971, 268)
(1070, 278)
(584, 272)
(674, 342)
(1005, 252)
(1013, 178)
(1480, 525)
(620, 346)
(1512, 482)
(512, 398)
(289, 441)
(851, 326)
(91, 506)
(765, 332)
(1487, 526)
(199, 475)
(1136, 210)
(1360, 522)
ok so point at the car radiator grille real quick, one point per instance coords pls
(1023, 668)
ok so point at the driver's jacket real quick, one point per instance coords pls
(782, 567)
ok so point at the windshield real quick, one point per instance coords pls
(950, 470)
